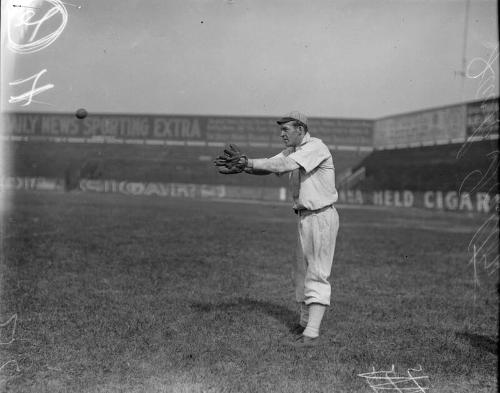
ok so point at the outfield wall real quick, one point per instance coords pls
(433, 200)
(171, 130)
(146, 163)
(170, 155)
(471, 121)
(480, 202)
(450, 124)
(137, 188)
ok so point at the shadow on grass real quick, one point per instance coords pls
(481, 342)
(281, 313)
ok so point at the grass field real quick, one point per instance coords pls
(144, 294)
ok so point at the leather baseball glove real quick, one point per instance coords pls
(231, 161)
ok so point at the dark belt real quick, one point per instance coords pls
(306, 212)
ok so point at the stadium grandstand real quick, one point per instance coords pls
(448, 153)
(437, 167)
(146, 163)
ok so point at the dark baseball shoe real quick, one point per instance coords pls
(297, 329)
(306, 342)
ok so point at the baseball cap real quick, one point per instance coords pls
(294, 115)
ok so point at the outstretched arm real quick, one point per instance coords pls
(253, 171)
(233, 161)
(265, 166)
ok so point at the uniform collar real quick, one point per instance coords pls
(305, 139)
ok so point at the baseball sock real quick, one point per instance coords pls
(304, 314)
(316, 312)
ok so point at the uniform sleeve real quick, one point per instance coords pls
(284, 153)
(311, 155)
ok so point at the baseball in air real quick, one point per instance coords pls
(81, 113)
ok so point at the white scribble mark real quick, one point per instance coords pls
(14, 325)
(487, 65)
(10, 361)
(487, 125)
(74, 5)
(484, 129)
(42, 43)
(487, 238)
(388, 381)
(485, 73)
(474, 172)
(42, 103)
(490, 174)
(476, 279)
(476, 284)
(484, 243)
(28, 96)
(13, 320)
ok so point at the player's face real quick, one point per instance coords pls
(291, 135)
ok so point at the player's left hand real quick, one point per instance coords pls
(232, 161)
(229, 171)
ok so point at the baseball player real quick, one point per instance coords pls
(309, 164)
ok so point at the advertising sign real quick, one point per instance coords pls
(245, 131)
(436, 125)
(482, 118)
(343, 132)
(436, 200)
(106, 126)
(479, 202)
(242, 130)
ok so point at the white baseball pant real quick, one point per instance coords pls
(317, 233)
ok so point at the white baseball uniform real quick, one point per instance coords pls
(314, 193)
